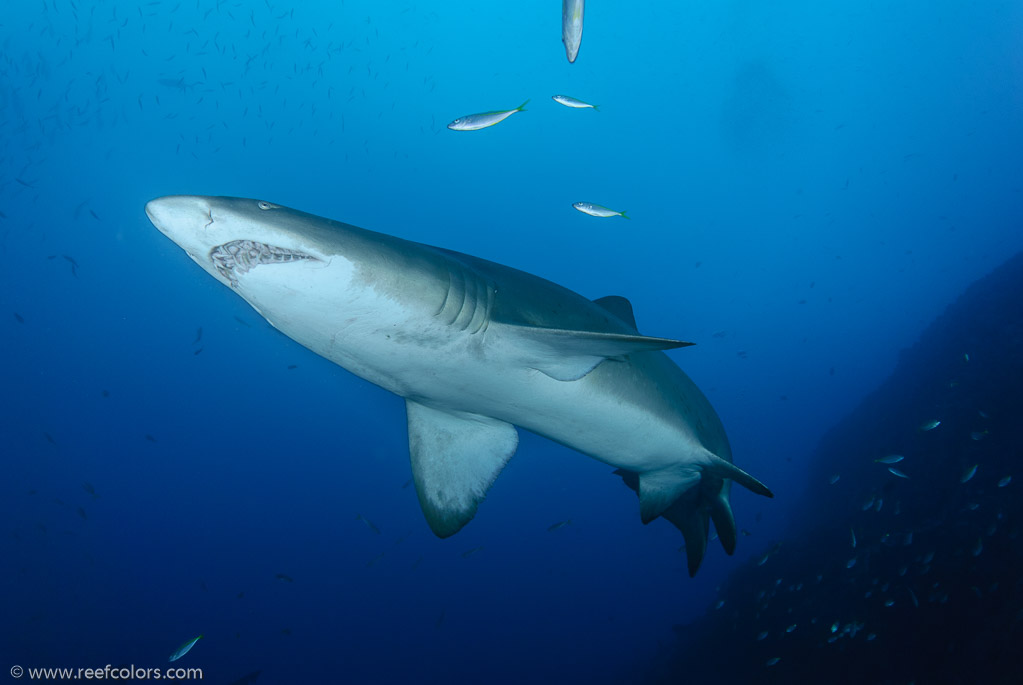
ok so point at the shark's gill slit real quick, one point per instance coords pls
(239, 256)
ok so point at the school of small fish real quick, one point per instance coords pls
(910, 584)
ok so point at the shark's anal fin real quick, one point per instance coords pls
(568, 355)
(620, 307)
(455, 459)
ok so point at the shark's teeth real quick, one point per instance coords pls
(239, 256)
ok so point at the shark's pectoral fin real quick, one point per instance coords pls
(455, 459)
(568, 355)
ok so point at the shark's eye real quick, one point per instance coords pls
(267, 205)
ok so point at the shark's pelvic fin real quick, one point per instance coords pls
(568, 355)
(620, 307)
(694, 524)
(689, 513)
(726, 469)
(724, 521)
(690, 498)
(658, 490)
(455, 459)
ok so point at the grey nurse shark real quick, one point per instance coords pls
(476, 349)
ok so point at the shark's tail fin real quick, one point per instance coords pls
(690, 500)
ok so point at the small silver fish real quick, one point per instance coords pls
(557, 526)
(474, 122)
(768, 553)
(890, 459)
(183, 649)
(597, 210)
(834, 479)
(853, 534)
(1005, 481)
(369, 524)
(572, 102)
(572, 27)
(773, 661)
(930, 425)
(895, 472)
(978, 435)
(968, 474)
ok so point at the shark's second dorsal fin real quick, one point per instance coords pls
(620, 307)
(568, 355)
(455, 458)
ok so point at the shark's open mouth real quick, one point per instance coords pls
(240, 256)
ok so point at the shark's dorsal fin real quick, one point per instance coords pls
(620, 307)
(568, 355)
(455, 458)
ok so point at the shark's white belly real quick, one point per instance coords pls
(413, 354)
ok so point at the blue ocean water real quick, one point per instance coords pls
(809, 185)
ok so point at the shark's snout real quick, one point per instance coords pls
(155, 212)
(175, 215)
(228, 237)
